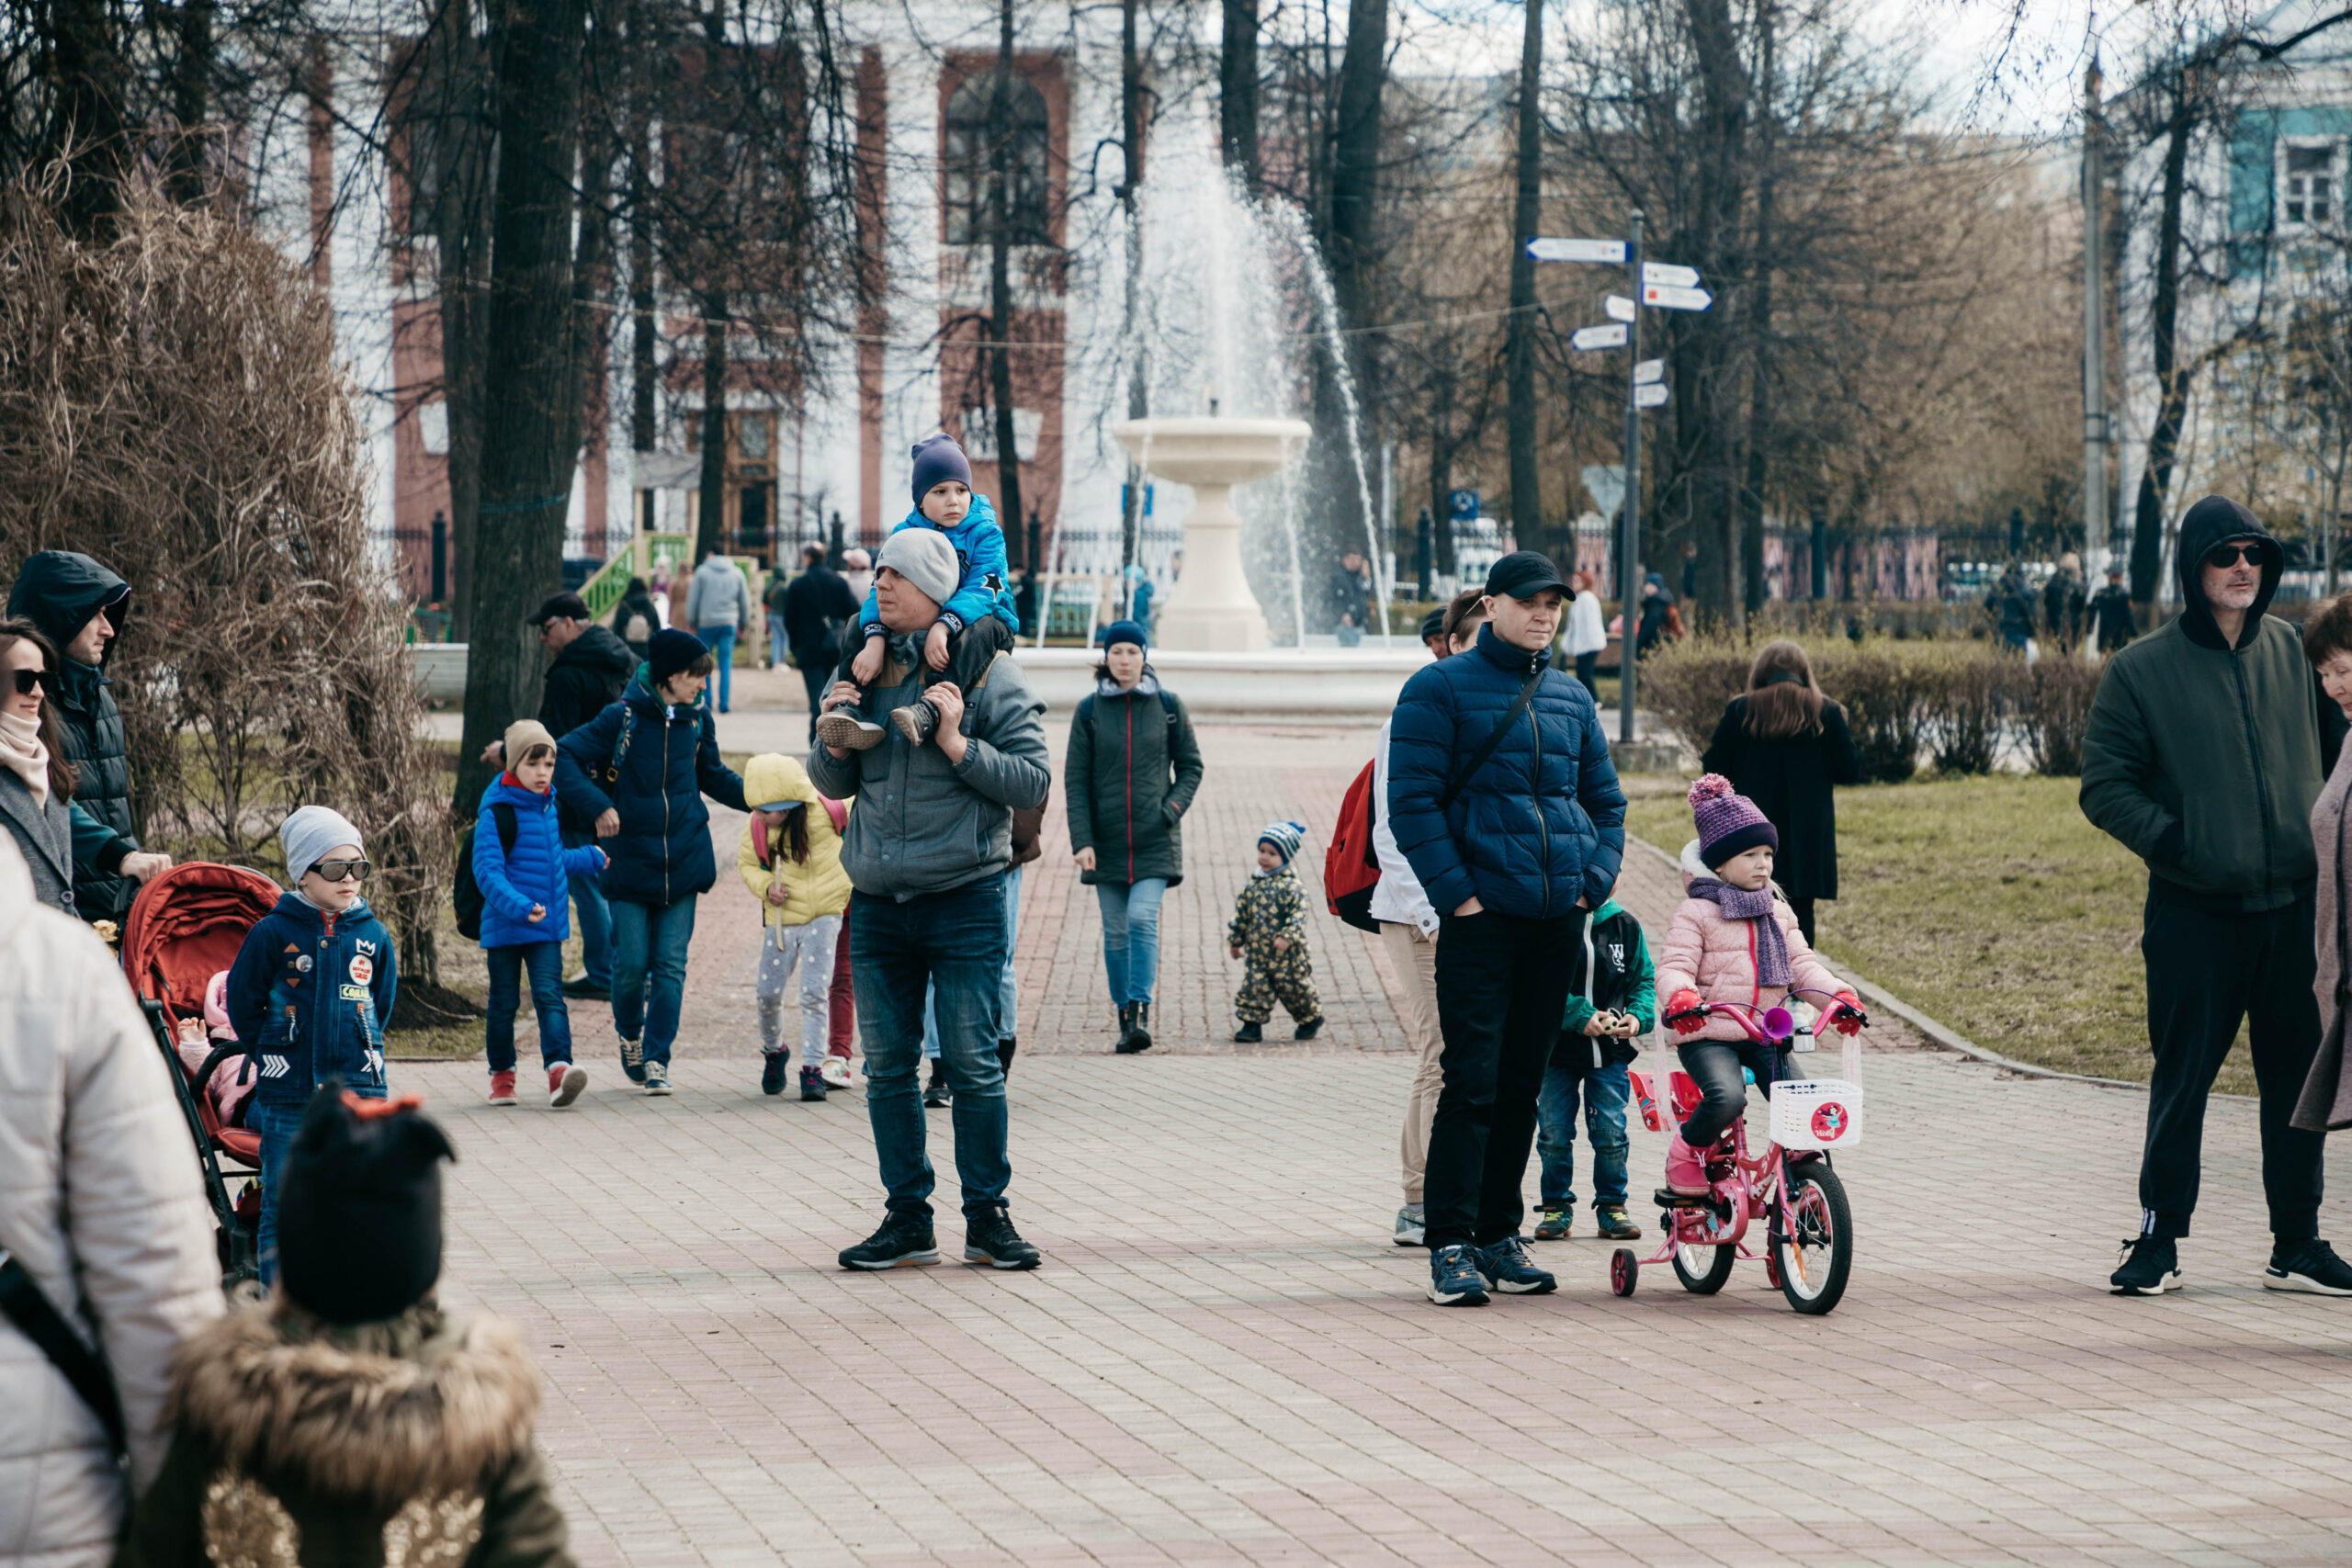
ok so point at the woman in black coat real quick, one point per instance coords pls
(1782, 745)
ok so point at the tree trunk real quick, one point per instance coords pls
(1760, 367)
(1723, 123)
(2172, 387)
(1526, 470)
(1130, 190)
(644, 330)
(457, 77)
(1010, 516)
(1237, 70)
(87, 125)
(1442, 445)
(710, 490)
(532, 374)
(192, 99)
(1355, 162)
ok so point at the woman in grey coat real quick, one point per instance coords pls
(37, 782)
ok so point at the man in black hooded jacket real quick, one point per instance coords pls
(2205, 749)
(81, 607)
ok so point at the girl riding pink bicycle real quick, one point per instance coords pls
(1733, 941)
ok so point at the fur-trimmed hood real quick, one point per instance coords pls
(421, 1405)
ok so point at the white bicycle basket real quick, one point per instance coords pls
(1821, 1114)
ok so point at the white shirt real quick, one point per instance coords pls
(1396, 897)
(1586, 634)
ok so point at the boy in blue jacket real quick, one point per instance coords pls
(976, 624)
(310, 993)
(1612, 1002)
(523, 872)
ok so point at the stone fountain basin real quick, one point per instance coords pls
(1209, 450)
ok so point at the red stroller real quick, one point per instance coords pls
(187, 926)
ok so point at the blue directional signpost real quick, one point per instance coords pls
(1662, 285)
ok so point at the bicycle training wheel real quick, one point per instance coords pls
(1624, 1271)
(1815, 1245)
(1703, 1270)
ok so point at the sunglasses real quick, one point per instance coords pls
(30, 681)
(2221, 556)
(341, 870)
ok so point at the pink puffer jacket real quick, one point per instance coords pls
(1716, 957)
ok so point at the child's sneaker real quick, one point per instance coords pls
(566, 1082)
(838, 1073)
(1686, 1169)
(501, 1088)
(1306, 1031)
(1555, 1225)
(1248, 1033)
(843, 729)
(934, 1093)
(813, 1083)
(657, 1077)
(633, 1060)
(1610, 1218)
(772, 1067)
(1412, 1227)
(916, 721)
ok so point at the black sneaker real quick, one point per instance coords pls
(1249, 1035)
(1453, 1278)
(1508, 1269)
(1138, 1034)
(990, 1238)
(904, 1242)
(934, 1093)
(2151, 1266)
(585, 988)
(772, 1067)
(2308, 1266)
(813, 1083)
(633, 1060)
(916, 721)
(842, 728)
(1306, 1031)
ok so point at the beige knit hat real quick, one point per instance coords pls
(524, 734)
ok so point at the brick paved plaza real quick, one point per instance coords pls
(1224, 1358)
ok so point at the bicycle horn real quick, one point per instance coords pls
(1779, 1023)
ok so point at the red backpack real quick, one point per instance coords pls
(1351, 868)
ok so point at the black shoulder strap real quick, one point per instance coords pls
(1461, 781)
(1086, 708)
(38, 1319)
(1167, 703)
(503, 813)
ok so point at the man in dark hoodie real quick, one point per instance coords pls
(80, 606)
(2205, 749)
(590, 668)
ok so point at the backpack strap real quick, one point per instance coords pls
(620, 749)
(36, 1318)
(1168, 705)
(502, 813)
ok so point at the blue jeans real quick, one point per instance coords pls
(1604, 1092)
(545, 962)
(277, 1121)
(649, 956)
(957, 940)
(778, 644)
(593, 916)
(720, 640)
(1131, 936)
(1006, 999)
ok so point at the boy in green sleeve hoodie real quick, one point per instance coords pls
(1612, 1001)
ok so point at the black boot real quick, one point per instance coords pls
(1138, 1036)
(1250, 1033)
(1126, 1026)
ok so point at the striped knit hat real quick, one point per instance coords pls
(1285, 837)
(1729, 823)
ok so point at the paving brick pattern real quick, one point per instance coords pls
(1225, 1360)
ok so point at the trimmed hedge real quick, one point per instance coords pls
(1963, 707)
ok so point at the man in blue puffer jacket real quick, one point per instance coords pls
(1514, 852)
(641, 768)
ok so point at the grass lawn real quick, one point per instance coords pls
(1990, 905)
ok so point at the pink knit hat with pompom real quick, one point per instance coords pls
(1728, 822)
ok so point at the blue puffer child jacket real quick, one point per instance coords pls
(1541, 824)
(309, 996)
(669, 761)
(986, 587)
(534, 872)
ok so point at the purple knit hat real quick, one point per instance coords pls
(1728, 822)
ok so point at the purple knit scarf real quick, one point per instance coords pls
(1772, 948)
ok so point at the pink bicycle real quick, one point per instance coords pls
(1808, 1227)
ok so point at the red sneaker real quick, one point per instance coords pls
(501, 1088)
(565, 1082)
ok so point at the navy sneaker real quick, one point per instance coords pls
(633, 1060)
(905, 1241)
(1508, 1269)
(2310, 1266)
(1453, 1278)
(772, 1073)
(2150, 1266)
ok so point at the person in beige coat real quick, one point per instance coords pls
(101, 1204)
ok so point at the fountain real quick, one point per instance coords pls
(1211, 609)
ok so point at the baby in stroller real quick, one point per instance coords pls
(229, 1086)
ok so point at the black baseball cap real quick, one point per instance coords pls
(561, 606)
(1522, 574)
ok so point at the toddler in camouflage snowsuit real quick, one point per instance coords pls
(1269, 930)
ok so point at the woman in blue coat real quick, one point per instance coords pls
(641, 768)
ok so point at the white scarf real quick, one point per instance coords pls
(21, 750)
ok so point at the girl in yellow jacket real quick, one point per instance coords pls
(791, 860)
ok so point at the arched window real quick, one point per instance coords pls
(965, 187)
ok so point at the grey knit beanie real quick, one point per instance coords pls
(925, 558)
